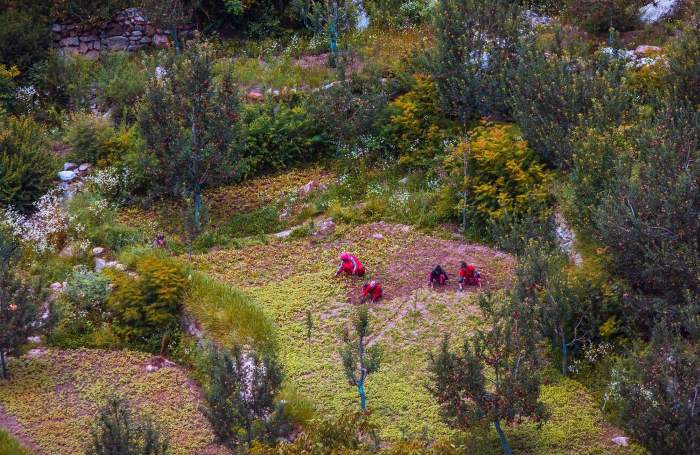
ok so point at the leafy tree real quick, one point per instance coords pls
(359, 360)
(24, 33)
(332, 17)
(660, 400)
(567, 305)
(684, 65)
(510, 389)
(475, 42)
(240, 397)
(190, 121)
(551, 89)
(18, 302)
(649, 221)
(118, 432)
(26, 169)
(169, 15)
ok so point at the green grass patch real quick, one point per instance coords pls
(10, 446)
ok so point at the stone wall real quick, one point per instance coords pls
(128, 31)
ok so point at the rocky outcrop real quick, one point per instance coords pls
(128, 31)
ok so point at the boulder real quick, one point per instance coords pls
(254, 96)
(85, 167)
(67, 176)
(100, 265)
(308, 188)
(160, 39)
(645, 49)
(656, 10)
(621, 441)
(325, 227)
(284, 234)
(71, 41)
(117, 43)
(98, 251)
(69, 166)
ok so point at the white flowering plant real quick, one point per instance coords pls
(45, 229)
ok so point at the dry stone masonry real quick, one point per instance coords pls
(128, 30)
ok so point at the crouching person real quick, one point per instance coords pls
(349, 264)
(371, 291)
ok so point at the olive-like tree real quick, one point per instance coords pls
(190, 119)
(331, 17)
(360, 360)
(495, 377)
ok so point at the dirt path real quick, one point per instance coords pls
(13, 427)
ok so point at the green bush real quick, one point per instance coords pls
(597, 16)
(503, 177)
(26, 167)
(10, 446)
(279, 134)
(262, 221)
(684, 65)
(146, 308)
(120, 82)
(87, 135)
(82, 311)
(118, 430)
(414, 125)
(24, 37)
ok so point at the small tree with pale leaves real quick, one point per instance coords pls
(360, 360)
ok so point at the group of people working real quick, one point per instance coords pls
(468, 275)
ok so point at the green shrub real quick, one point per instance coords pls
(120, 82)
(503, 178)
(10, 446)
(24, 37)
(7, 87)
(146, 308)
(26, 168)
(87, 135)
(81, 311)
(684, 65)
(118, 430)
(279, 134)
(417, 126)
(597, 16)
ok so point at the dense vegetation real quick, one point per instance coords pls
(171, 217)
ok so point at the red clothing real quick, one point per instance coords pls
(469, 275)
(351, 265)
(373, 292)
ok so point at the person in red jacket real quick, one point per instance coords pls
(371, 291)
(468, 275)
(350, 265)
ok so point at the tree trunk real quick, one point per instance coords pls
(176, 39)
(363, 396)
(197, 208)
(564, 357)
(502, 437)
(3, 367)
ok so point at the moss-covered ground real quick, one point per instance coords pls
(55, 396)
(290, 277)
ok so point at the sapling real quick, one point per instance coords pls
(359, 360)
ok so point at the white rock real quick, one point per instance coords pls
(34, 339)
(151, 368)
(377, 236)
(69, 166)
(645, 49)
(656, 10)
(56, 287)
(34, 353)
(67, 176)
(84, 167)
(97, 251)
(284, 234)
(100, 264)
(621, 441)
